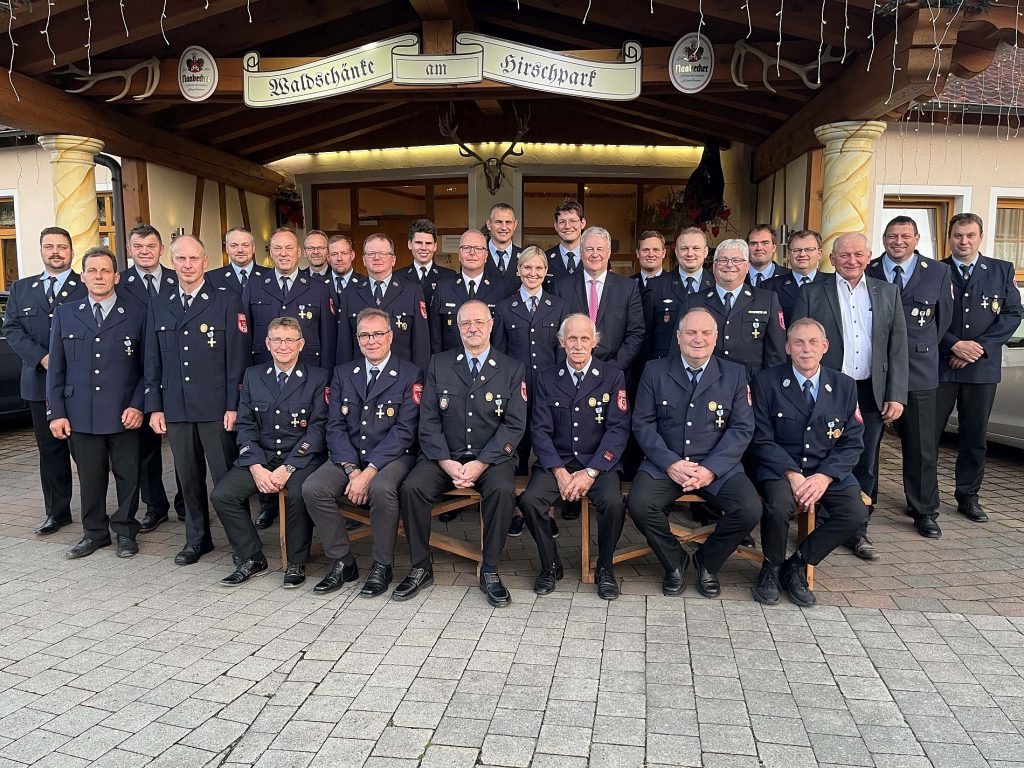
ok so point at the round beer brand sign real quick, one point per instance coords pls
(197, 74)
(691, 63)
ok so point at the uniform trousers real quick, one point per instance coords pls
(425, 485)
(650, 500)
(326, 487)
(973, 406)
(54, 464)
(96, 456)
(920, 444)
(231, 500)
(866, 470)
(194, 445)
(846, 513)
(525, 447)
(151, 482)
(605, 495)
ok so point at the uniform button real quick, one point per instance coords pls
(364, 423)
(807, 445)
(186, 333)
(469, 413)
(689, 423)
(96, 371)
(472, 396)
(577, 407)
(535, 367)
(278, 440)
(805, 458)
(361, 437)
(184, 349)
(366, 408)
(727, 351)
(726, 338)
(468, 445)
(279, 453)
(277, 412)
(691, 405)
(97, 354)
(185, 363)
(97, 338)
(965, 310)
(187, 379)
(97, 389)
(277, 426)
(575, 438)
(575, 424)
(687, 442)
(575, 453)
(363, 451)
(967, 325)
(469, 429)
(534, 354)
(808, 429)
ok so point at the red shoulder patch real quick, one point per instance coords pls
(522, 389)
(423, 309)
(622, 401)
(243, 323)
(327, 395)
(417, 393)
(857, 416)
(330, 303)
(750, 396)
(782, 321)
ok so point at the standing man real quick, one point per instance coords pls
(807, 438)
(804, 251)
(986, 312)
(650, 255)
(863, 319)
(423, 245)
(473, 282)
(241, 266)
(580, 426)
(564, 258)
(196, 351)
(371, 436)
(341, 255)
(927, 296)
(27, 322)
(751, 328)
(95, 398)
(471, 420)
(315, 247)
(666, 302)
(762, 267)
(400, 297)
(693, 420)
(501, 223)
(282, 418)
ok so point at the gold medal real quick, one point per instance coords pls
(344, 410)
(488, 397)
(204, 328)
(605, 397)
(712, 406)
(592, 402)
(995, 306)
(391, 412)
(914, 312)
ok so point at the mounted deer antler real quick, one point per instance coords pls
(494, 167)
(150, 66)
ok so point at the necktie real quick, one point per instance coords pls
(339, 283)
(533, 304)
(186, 301)
(51, 293)
(804, 280)
(728, 303)
(965, 270)
(501, 261)
(578, 375)
(284, 286)
(98, 312)
(570, 259)
(808, 394)
(689, 285)
(282, 379)
(760, 280)
(474, 368)
(243, 276)
(693, 374)
(150, 285)
(423, 274)
(378, 292)
(374, 373)
(472, 289)
(592, 303)
(897, 276)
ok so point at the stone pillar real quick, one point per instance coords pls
(847, 199)
(74, 188)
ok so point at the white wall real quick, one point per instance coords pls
(789, 202)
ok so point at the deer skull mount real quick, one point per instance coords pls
(494, 167)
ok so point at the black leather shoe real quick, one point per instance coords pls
(972, 511)
(794, 580)
(707, 582)
(863, 548)
(378, 581)
(86, 547)
(674, 582)
(571, 510)
(152, 521)
(607, 586)
(245, 571)
(766, 591)
(447, 517)
(546, 579)
(748, 541)
(418, 578)
(52, 525)
(190, 555)
(927, 527)
(294, 575)
(491, 586)
(515, 528)
(126, 547)
(352, 525)
(337, 577)
(265, 519)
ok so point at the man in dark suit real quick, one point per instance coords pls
(472, 417)
(693, 420)
(341, 255)
(423, 247)
(371, 436)
(804, 252)
(808, 436)
(564, 258)
(282, 420)
(986, 312)
(27, 322)
(762, 247)
(196, 349)
(95, 400)
(867, 331)
(927, 297)
(666, 302)
(241, 266)
(501, 223)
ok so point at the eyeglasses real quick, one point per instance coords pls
(798, 251)
(378, 254)
(472, 248)
(318, 248)
(471, 323)
(732, 262)
(376, 336)
(283, 342)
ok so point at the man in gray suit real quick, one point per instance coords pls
(864, 321)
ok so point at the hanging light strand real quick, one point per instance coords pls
(124, 20)
(10, 66)
(46, 30)
(895, 44)
(871, 35)
(163, 15)
(778, 45)
(88, 41)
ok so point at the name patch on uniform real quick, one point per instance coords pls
(622, 401)
(245, 450)
(417, 393)
(509, 448)
(608, 456)
(303, 449)
(243, 323)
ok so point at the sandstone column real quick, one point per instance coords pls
(74, 188)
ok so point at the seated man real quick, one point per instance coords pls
(807, 440)
(371, 434)
(281, 421)
(472, 418)
(580, 427)
(693, 421)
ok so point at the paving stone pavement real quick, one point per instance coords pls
(107, 662)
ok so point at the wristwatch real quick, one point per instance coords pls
(350, 468)
(289, 469)
(592, 473)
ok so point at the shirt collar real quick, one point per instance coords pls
(482, 357)
(840, 280)
(907, 266)
(386, 281)
(722, 291)
(810, 276)
(492, 246)
(193, 294)
(600, 278)
(381, 366)
(419, 267)
(107, 303)
(156, 273)
(293, 276)
(248, 268)
(699, 370)
(477, 281)
(766, 273)
(60, 278)
(562, 250)
(970, 264)
(525, 294)
(697, 277)
(800, 379)
(278, 371)
(584, 370)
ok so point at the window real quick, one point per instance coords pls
(105, 214)
(1009, 232)
(932, 215)
(8, 244)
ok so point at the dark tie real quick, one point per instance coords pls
(284, 287)
(472, 289)
(689, 285)
(186, 301)
(693, 374)
(897, 276)
(374, 373)
(378, 292)
(423, 274)
(339, 283)
(98, 312)
(728, 303)
(965, 270)
(533, 304)
(501, 260)
(578, 375)
(243, 276)
(760, 280)
(51, 292)
(282, 379)
(150, 285)
(808, 394)
(570, 259)
(474, 368)
(804, 280)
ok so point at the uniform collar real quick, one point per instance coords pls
(525, 294)
(815, 380)
(584, 370)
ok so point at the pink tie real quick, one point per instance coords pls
(593, 301)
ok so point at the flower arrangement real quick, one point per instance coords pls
(288, 205)
(675, 211)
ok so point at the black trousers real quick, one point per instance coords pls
(54, 464)
(525, 447)
(846, 514)
(151, 472)
(231, 500)
(606, 496)
(973, 406)
(424, 487)
(650, 500)
(920, 444)
(195, 445)
(866, 470)
(96, 456)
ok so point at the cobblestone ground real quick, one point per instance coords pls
(915, 660)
